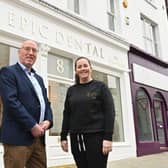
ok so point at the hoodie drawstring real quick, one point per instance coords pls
(81, 143)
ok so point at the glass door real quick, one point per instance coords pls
(160, 126)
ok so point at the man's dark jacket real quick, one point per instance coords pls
(21, 106)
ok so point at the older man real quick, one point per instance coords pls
(26, 111)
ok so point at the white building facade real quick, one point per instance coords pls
(100, 30)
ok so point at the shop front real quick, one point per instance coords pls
(62, 38)
(149, 77)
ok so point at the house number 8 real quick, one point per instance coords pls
(60, 66)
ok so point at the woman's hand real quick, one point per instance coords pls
(106, 147)
(64, 145)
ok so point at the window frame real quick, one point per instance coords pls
(152, 3)
(149, 26)
(111, 13)
(59, 79)
(74, 6)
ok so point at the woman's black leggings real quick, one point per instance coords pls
(87, 150)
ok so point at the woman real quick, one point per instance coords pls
(89, 118)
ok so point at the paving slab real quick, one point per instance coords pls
(150, 161)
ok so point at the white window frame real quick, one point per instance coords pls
(77, 7)
(74, 6)
(113, 16)
(150, 36)
(111, 8)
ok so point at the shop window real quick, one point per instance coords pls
(145, 128)
(59, 81)
(114, 85)
(57, 93)
(60, 75)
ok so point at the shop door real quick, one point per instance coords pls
(160, 123)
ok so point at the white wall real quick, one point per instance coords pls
(58, 3)
(133, 32)
(96, 14)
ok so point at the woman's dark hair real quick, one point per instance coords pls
(76, 76)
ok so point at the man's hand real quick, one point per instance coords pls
(37, 131)
(45, 125)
